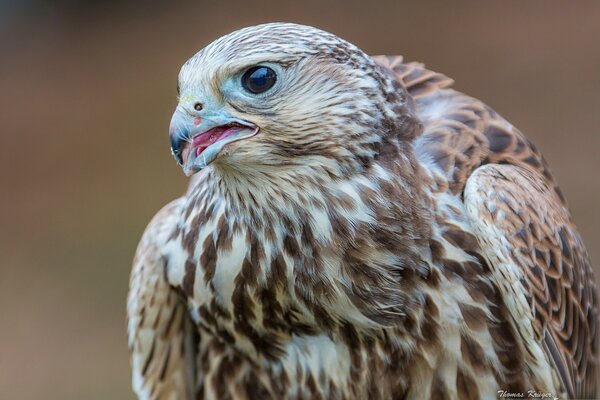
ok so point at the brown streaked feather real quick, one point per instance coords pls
(452, 122)
(162, 337)
(461, 134)
(418, 80)
(556, 271)
(384, 236)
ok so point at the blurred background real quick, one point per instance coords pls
(86, 93)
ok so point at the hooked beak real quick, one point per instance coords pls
(197, 140)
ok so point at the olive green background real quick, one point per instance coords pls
(86, 94)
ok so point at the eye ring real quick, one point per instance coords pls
(258, 79)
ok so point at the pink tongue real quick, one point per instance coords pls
(201, 142)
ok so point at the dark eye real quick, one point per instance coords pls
(258, 79)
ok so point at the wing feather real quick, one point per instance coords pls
(519, 212)
(418, 80)
(533, 230)
(161, 335)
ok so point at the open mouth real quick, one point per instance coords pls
(205, 146)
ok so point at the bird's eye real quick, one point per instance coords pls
(258, 79)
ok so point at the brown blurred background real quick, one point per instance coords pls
(86, 93)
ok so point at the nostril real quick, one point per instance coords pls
(198, 106)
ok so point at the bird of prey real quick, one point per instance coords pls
(354, 229)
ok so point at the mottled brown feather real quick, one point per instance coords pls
(563, 300)
(545, 243)
(281, 318)
(162, 337)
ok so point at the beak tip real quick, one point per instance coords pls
(177, 156)
(176, 140)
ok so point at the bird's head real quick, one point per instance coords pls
(282, 95)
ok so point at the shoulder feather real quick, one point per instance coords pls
(161, 335)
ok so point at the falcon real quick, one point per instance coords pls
(354, 229)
